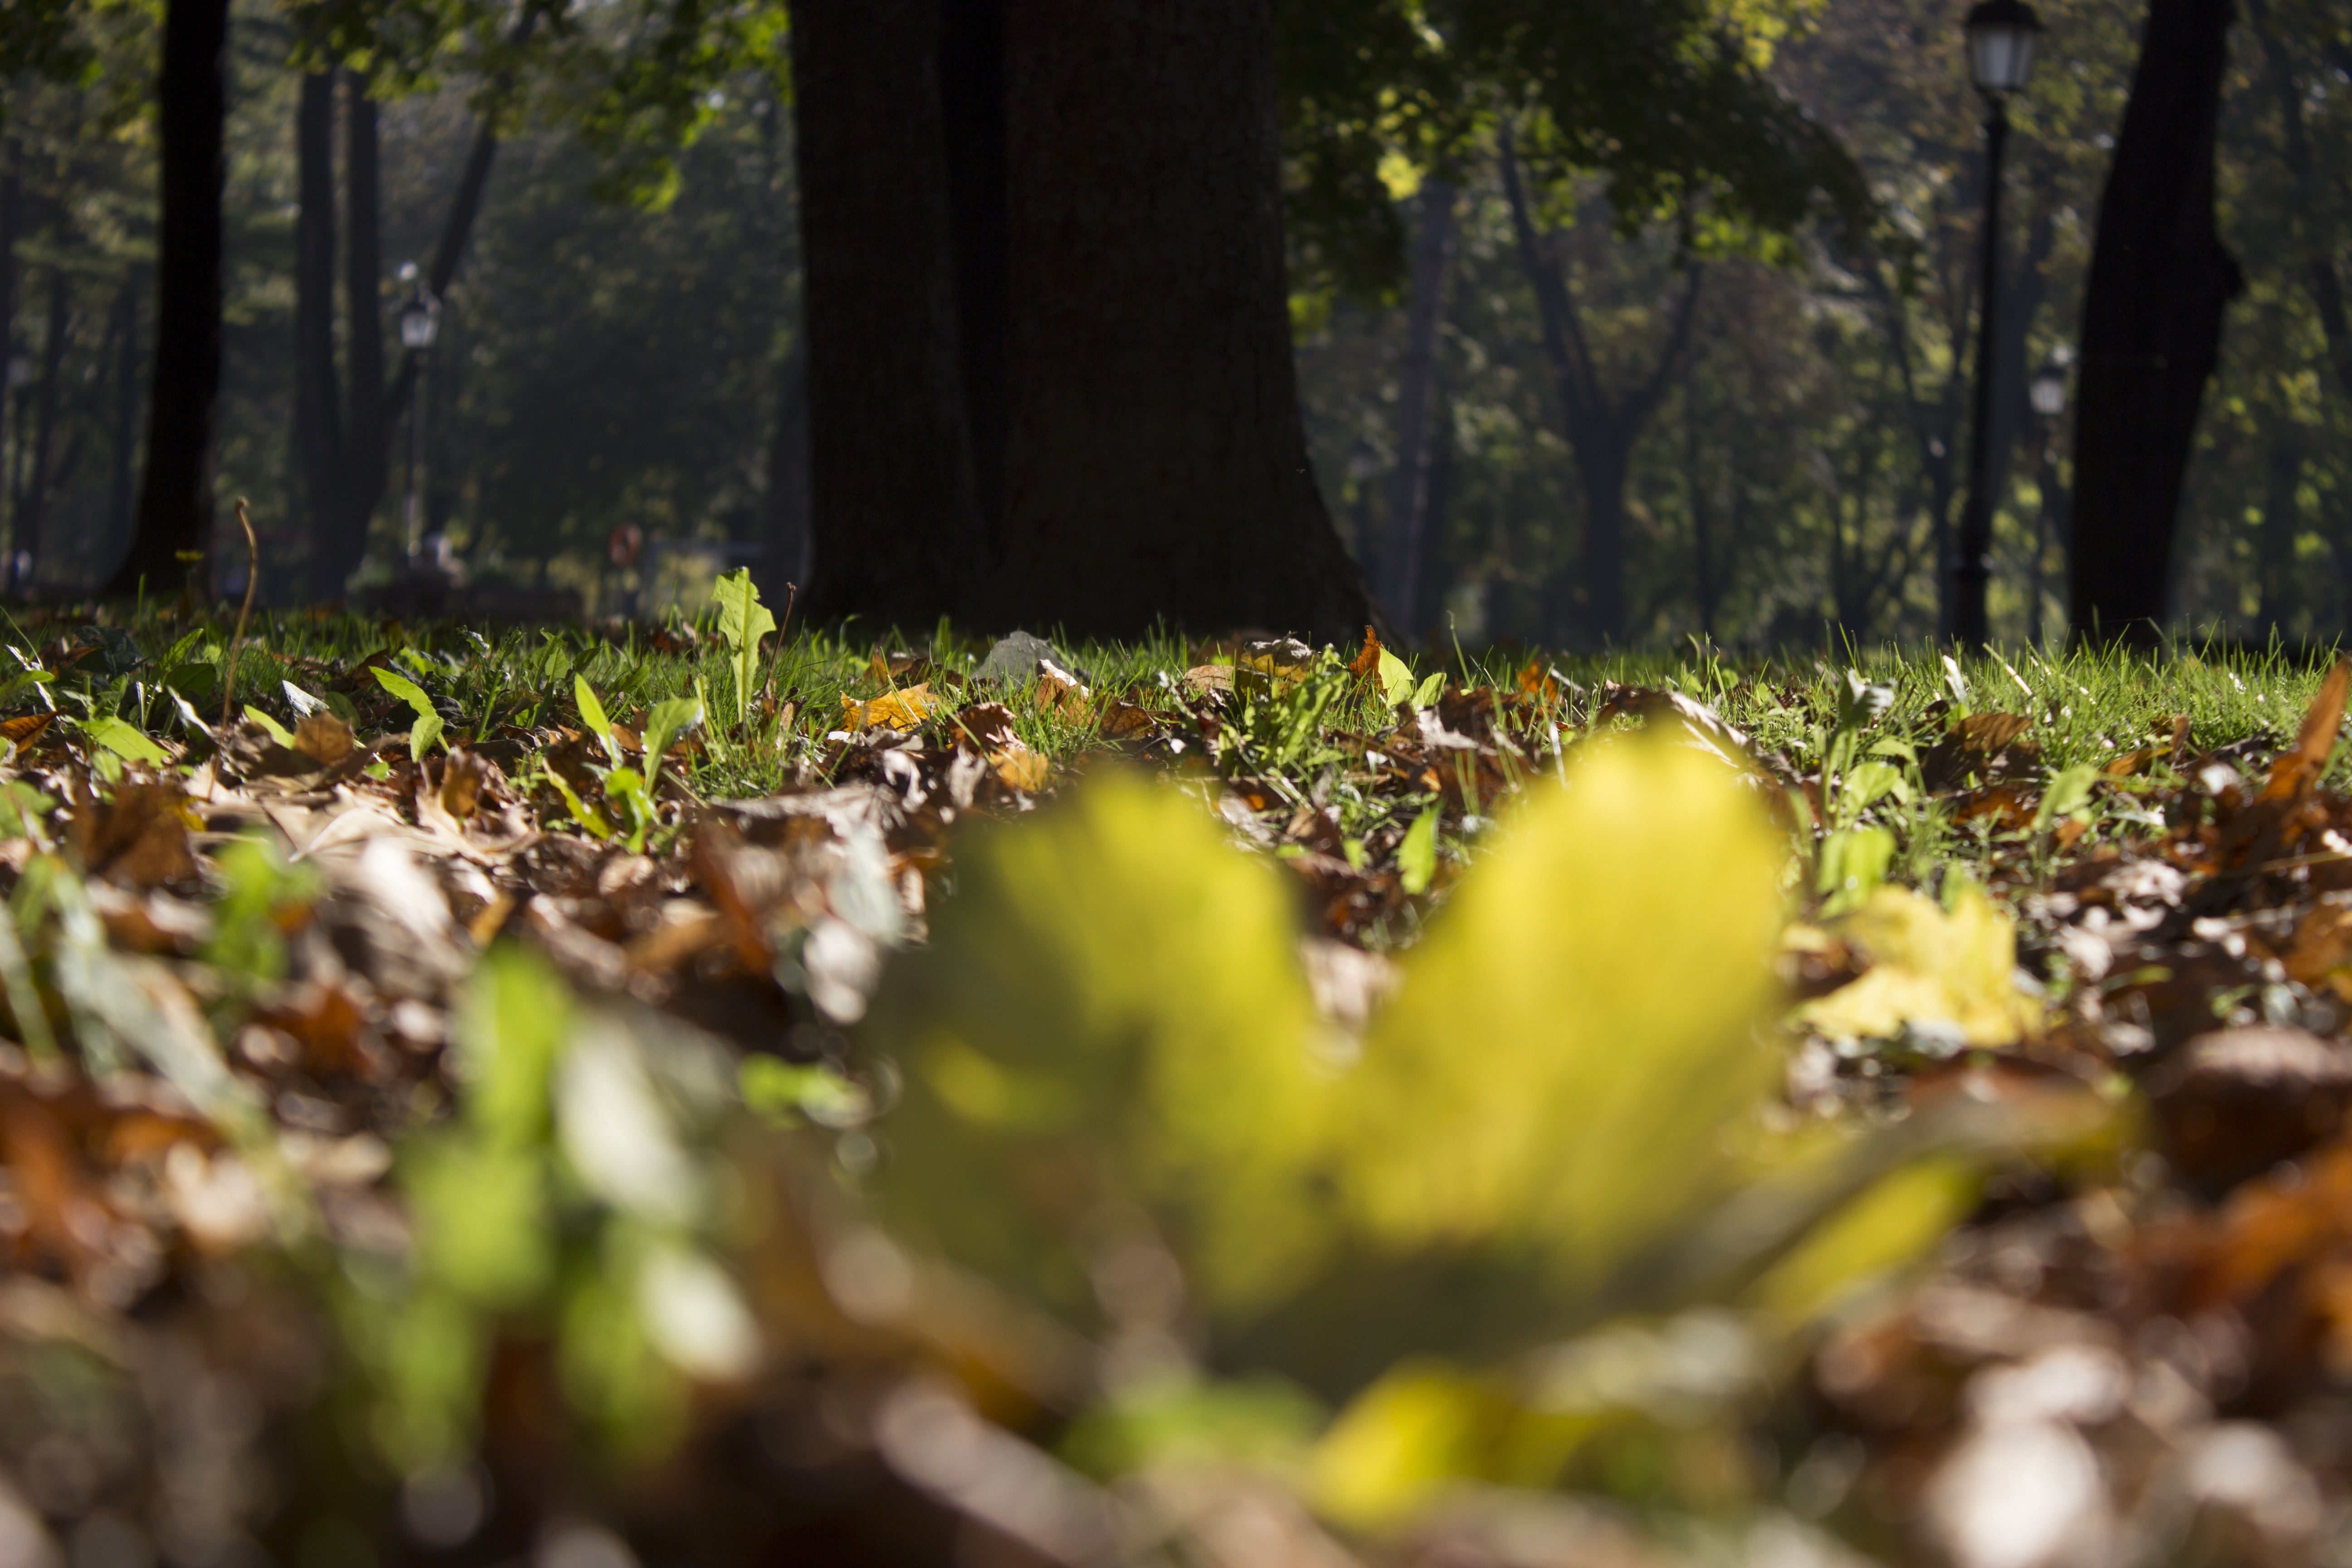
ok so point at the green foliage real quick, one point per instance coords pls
(742, 621)
(428, 728)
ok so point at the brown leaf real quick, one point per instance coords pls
(1021, 768)
(1209, 680)
(462, 778)
(2296, 772)
(1366, 665)
(1058, 690)
(1985, 744)
(988, 726)
(23, 731)
(138, 835)
(2234, 1103)
(323, 737)
(1125, 720)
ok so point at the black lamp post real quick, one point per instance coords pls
(420, 321)
(2047, 392)
(2001, 35)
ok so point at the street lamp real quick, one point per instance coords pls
(420, 323)
(2047, 392)
(2001, 35)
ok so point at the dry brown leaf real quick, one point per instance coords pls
(323, 737)
(23, 731)
(1209, 680)
(1021, 768)
(1125, 720)
(2295, 772)
(1058, 690)
(138, 835)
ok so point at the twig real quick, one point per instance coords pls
(252, 581)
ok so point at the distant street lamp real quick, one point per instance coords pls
(2047, 392)
(2001, 35)
(420, 323)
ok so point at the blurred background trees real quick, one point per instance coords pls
(621, 345)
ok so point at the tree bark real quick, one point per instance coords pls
(894, 512)
(33, 506)
(318, 431)
(2318, 265)
(176, 505)
(788, 478)
(1402, 556)
(2159, 282)
(369, 412)
(972, 106)
(120, 486)
(1157, 465)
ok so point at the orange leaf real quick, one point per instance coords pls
(2296, 772)
(893, 710)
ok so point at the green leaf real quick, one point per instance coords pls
(407, 691)
(1417, 856)
(423, 734)
(278, 732)
(667, 721)
(1430, 691)
(2069, 792)
(1853, 864)
(124, 739)
(592, 712)
(1396, 678)
(742, 621)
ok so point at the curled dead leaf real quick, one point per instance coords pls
(323, 737)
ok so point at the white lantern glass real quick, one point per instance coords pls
(2001, 35)
(2048, 391)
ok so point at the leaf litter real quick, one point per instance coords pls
(1905, 1135)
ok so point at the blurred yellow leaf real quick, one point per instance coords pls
(1578, 1031)
(1954, 970)
(1893, 1224)
(1109, 1021)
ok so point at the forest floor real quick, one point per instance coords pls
(460, 1100)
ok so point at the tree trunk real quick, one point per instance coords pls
(33, 506)
(175, 506)
(1408, 502)
(1157, 468)
(893, 506)
(2151, 325)
(120, 486)
(972, 107)
(318, 431)
(369, 413)
(788, 478)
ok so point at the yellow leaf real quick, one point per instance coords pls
(1577, 1031)
(1109, 1020)
(891, 711)
(1954, 970)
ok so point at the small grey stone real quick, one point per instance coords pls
(1014, 658)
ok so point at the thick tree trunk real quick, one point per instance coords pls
(2151, 325)
(971, 105)
(788, 479)
(367, 410)
(1402, 554)
(120, 482)
(318, 403)
(1157, 468)
(33, 507)
(895, 512)
(175, 506)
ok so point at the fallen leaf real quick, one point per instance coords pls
(323, 737)
(892, 711)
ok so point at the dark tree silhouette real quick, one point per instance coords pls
(2161, 280)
